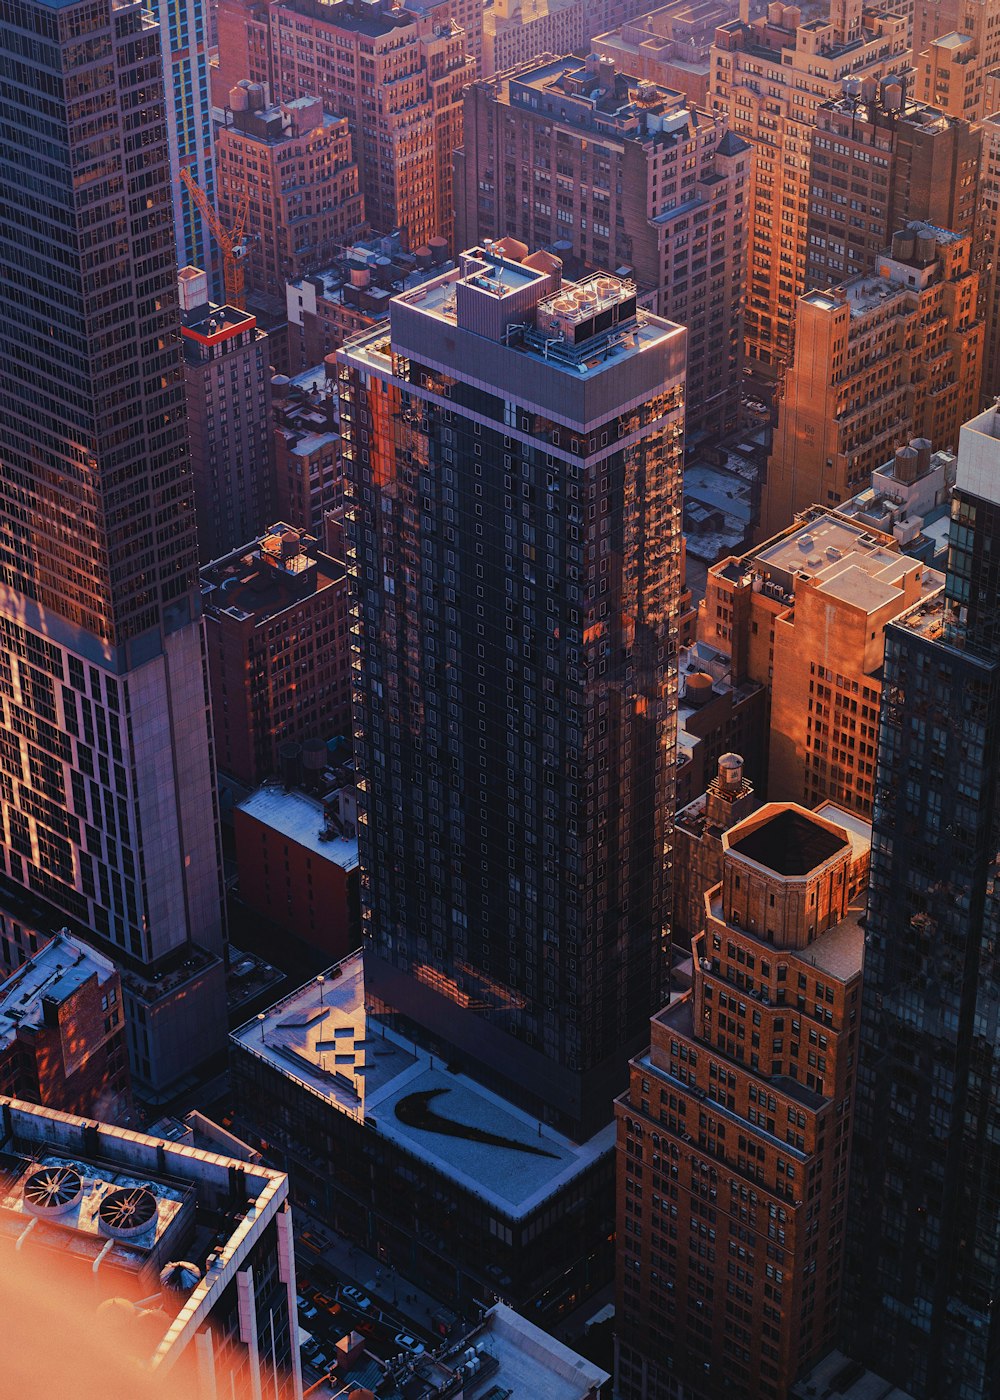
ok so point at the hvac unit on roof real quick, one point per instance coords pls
(52, 1191)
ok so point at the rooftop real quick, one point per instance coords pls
(367, 17)
(117, 1207)
(825, 547)
(859, 831)
(584, 329)
(302, 819)
(836, 1377)
(979, 455)
(838, 950)
(594, 94)
(211, 322)
(54, 973)
(531, 1363)
(269, 574)
(789, 843)
(322, 1037)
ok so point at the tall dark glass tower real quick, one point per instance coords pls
(514, 450)
(107, 805)
(923, 1304)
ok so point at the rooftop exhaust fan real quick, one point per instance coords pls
(51, 1191)
(127, 1211)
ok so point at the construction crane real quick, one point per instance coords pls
(231, 242)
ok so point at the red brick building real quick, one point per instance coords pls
(298, 864)
(243, 46)
(278, 654)
(62, 1037)
(734, 1135)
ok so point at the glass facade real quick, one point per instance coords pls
(188, 114)
(925, 1202)
(107, 803)
(516, 585)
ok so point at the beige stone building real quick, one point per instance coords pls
(806, 614)
(397, 76)
(671, 45)
(769, 77)
(295, 163)
(517, 31)
(951, 68)
(624, 174)
(878, 359)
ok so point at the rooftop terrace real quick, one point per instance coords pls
(322, 1037)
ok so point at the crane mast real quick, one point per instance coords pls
(229, 241)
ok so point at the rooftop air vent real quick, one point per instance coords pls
(52, 1191)
(127, 1211)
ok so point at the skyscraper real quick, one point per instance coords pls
(107, 791)
(733, 1137)
(513, 452)
(924, 1214)
(768, 77)
(574, 154)
(188, 111)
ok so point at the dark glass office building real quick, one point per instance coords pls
(107, 805)
(924, 1209)
(514, 448)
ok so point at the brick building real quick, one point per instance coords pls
(276, 626)
(880, 161)
(988, 253)
(734, 1135)
(308, 467)
(951, 70)
(243, 47)
(297, 855)
(768, 77)
(717, 712)
(397, 76)
(62, 1036)
(697, 856)
(629, 175)
(805, 615)
(227, 377)
(296, 164)
(879, 359)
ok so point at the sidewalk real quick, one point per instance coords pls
(394, 1293)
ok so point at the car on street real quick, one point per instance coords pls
(407, 1343)
(355, 1297)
